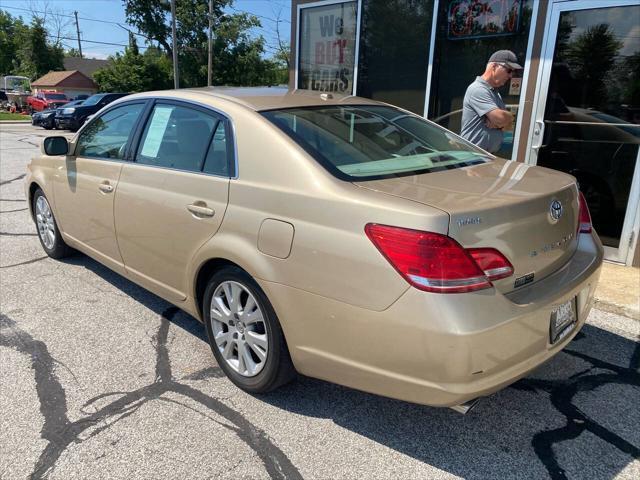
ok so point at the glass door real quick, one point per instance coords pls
(587, 117)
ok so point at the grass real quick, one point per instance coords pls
(14, 116)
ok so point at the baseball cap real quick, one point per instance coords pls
(507, 57)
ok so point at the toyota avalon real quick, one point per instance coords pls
(337, 237)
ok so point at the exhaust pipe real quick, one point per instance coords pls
(465, 407)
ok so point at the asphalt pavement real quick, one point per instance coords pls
(101, 379)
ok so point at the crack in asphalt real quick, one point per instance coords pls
(9, 234)
(61, 433)
(13, 179)
(12, 200)
(25, 263)
(11, 211)
(562, 393)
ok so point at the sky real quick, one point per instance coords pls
(99, 21)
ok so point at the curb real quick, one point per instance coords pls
(616, 309)
(15, 122)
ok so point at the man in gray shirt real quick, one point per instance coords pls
(484, 114)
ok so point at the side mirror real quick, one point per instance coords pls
(55, 146)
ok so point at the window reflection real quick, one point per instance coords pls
(468, 32)
(593, 110)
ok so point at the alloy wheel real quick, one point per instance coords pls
(46, 225)
(239, 328)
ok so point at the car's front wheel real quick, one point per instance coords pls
(48, 232)
(244, 332)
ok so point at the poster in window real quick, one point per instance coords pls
(327, 47)
(488, 18)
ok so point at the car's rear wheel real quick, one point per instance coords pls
(244, 332)
(48, 232)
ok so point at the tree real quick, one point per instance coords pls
(8, 30)
(237, 58)
(35, 56)
(591, 57)
(72, 52)
(133, 72)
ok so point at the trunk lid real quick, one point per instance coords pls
(501, 204)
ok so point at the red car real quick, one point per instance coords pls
(45, 100)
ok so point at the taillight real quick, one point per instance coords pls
(494, 265)
(436, 263)
(584, 223)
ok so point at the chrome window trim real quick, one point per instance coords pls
(214, 110)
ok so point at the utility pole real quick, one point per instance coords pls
(210, 63)
(176, 79)
(78, 30)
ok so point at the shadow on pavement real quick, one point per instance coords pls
(576, 416)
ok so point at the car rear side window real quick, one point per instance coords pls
(107, 135)
(176, 137)
(218, 159)
(367, 142)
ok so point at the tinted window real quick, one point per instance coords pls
(176, 137)
(56, 96)
(93, 100)
(393, 59)
(368, 142)
(107, 135)
(218, 157)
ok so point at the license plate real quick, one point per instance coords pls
(563, 319)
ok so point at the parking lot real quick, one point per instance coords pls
(102, 379)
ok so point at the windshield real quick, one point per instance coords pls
(369, 142)
(55, 96)
(93, 100)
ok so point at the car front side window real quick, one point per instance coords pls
(107, 136)
(176, 137)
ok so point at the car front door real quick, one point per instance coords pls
(172, 198)
(85, 185)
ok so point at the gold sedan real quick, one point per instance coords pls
(338, 237)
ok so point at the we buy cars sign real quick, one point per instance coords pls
(327, 47)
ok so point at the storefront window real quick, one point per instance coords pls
(394, 51)
(592, 112)
(468, 32)
(327, 47)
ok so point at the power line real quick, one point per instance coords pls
(51, 12)
(93, 41)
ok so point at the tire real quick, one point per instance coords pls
(252, 353)
(48, 231)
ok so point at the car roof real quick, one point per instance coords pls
(264, 98)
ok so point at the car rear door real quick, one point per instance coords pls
(85, 185)
(172, 198)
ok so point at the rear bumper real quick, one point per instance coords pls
(436, 349)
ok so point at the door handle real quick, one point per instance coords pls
(538, 135)
(105, 187)
(201, 210)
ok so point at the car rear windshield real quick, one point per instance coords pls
(93, 100)
(370, 142)
(55, 96)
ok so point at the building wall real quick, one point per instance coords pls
(68, 91)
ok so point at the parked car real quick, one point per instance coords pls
(338, 237)
(45, 100)
(47, 118)
(72, 118)
(44, 119)
(58, 111)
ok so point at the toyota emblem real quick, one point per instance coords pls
(555, 210)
